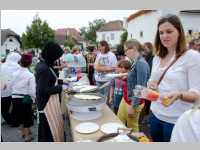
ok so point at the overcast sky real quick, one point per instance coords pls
(17, 20)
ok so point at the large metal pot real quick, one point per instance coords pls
(86, 109)
(86, 105)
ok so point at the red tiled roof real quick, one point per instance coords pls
(62, 33)
(69, 32)
(112, 26)
(139, 13)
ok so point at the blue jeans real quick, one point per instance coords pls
(160, 130)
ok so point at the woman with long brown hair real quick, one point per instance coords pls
(105, 62)
(175, 75)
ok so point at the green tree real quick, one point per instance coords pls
(89, 33)
(69, 42)
(37, 34)
(123, 37)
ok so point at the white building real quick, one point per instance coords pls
(10, 41)
(111, 32)
(142, 25)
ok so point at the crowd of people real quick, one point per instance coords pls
(170, 66)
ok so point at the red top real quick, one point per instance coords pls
(125, 94)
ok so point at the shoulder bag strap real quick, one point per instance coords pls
(162, 76)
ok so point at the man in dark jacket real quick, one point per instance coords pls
(45, 86)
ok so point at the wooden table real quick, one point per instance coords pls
(107, 116)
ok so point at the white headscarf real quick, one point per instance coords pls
(13, 57)
(7, 69)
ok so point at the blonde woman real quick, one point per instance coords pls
(130, 106)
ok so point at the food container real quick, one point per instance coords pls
(85, 105)
(86, 109)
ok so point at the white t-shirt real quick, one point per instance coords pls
(187, 128)
(181, 76)
(109, 60)
(24, 83)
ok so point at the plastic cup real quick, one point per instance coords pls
(146, 93)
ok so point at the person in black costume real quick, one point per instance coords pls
(45, 86)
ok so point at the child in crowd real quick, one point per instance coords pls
(118, 85)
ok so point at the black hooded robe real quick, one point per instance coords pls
(45, 87)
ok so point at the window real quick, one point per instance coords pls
(108, 39)
(103, 36)
(112, 36)
(131, 35)
(10, 40)
(141, 33)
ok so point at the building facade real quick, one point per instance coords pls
(111, 32)
(10, 41)
(63, 33)
(142, 25)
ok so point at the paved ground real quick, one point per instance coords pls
(12, 134)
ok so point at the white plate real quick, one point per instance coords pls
(85, 141)
(84, 88)
(111, 127)
(87, 127)
(87, 97)
(70, 79)
(121, 138)
(115, 75)
(88, 88)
